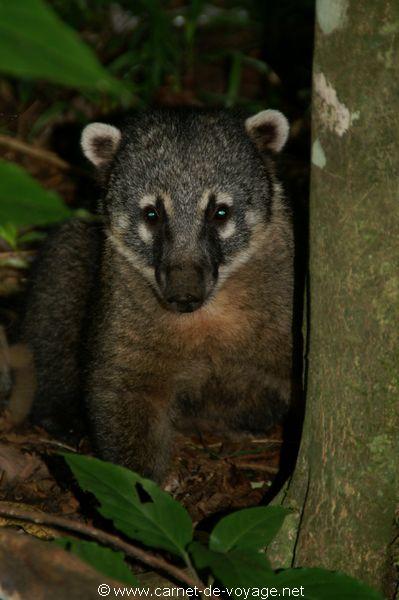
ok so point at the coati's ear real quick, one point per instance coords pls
(268, 129)
(99, 143)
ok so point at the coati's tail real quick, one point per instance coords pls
(17, 375)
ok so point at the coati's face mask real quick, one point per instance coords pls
(188, 195)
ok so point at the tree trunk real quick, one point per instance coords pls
(344, 488)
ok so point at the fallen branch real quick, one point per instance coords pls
(31, 568)
(157, 563)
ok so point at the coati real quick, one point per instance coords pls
(175, 310)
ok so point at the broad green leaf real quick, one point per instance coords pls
(252, 528)
(320, 584)
(108, 562)
(157, 521)
(35, 43)
(245, 569)
(235, 569)
(23, 201)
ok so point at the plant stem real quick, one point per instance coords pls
(191, 568)
(147, 558)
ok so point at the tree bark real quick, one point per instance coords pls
(345, 486)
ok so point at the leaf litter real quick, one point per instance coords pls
(207, 474)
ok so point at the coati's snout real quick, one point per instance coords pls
(184, 286)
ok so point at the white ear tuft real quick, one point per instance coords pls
(99, 142)
(269, 130)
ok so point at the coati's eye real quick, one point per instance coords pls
(222, 213)
(151, 215)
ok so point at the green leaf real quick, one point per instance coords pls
(234, 80)
(236, 569)
(257, 64)
(108, 562)
(157, 521)
(252, 528)
(30, 237)
(23, 201)
(320, 584)
(9, 233)
(35, 43)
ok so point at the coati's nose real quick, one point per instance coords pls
(183, 287)
(184, 302)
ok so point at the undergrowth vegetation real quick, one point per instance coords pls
(232, 554)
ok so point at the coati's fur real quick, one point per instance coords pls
(176, 309)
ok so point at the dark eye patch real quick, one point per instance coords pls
(217, 213)
(154, 214)
(210, 209)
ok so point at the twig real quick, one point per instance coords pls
(16, 260)
(252, 466)
(4, 256)
(266, 441)
(12, 254)
(10, 511)
(39, 153)
(51, 443)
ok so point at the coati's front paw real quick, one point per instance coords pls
(69, 431)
